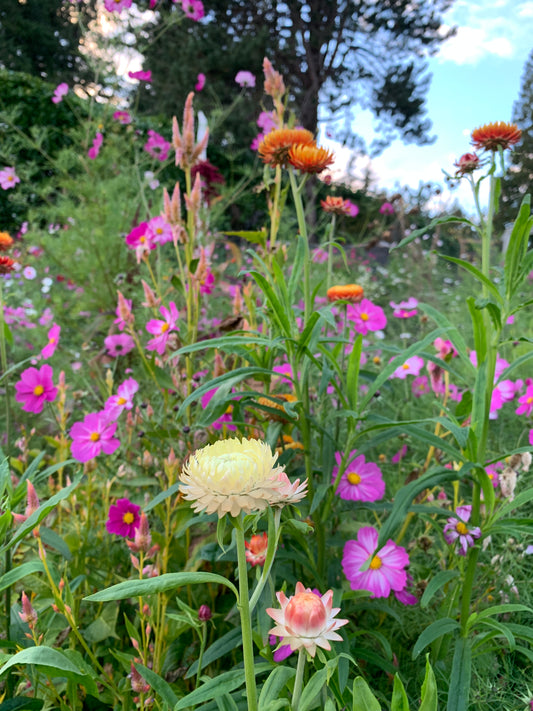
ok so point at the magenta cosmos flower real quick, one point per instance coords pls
(141, 75)
(122, 117)
(366, 316)
(60, 91)
(161, 329)
(361, 481)
(157, 146)
(94, 150)
(8, 178)
(404, 309)
(457, 530)
(34, 388)
(305, 620)
(119, 344)
(117, 5)
(123, 400)
(194, 9)
(526, 401)
(386, 571)
(412, 366)
(200, 82)
(123, 518)
(53, 340)
(159, 231)
(93, 436)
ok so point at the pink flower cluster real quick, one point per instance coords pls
(157, 146)
(162, 328)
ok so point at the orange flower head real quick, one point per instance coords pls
(6, 241)
(309, 158)
(347, 292)
(493, 135)
(6, 265)
(274, 148)
(275, 402)
(336, 205)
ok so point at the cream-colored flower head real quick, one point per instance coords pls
(235, 475)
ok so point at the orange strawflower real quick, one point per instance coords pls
(493, 135)
(275, 402)
(6, 241)
(6, 265)
(337, 205)
(309, 158)
(274, 148)
(347, 292)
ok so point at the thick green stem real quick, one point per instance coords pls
(246, 622)
(298, 682)
(330, 250)
(302, 226)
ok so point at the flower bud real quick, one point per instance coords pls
(204, 613)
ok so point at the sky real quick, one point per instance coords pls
(476, 79)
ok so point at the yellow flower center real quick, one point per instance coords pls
(364, 316)
(121, 401)
(95, 436)
(375, 563)
(51, 340)
(461, 528)
(159, 231)
(405, 366)
(529, 400)
(353, 478)
(142, 239)
(38, 390)
(164, 328)
(128, 517)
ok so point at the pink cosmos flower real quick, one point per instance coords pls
(122, 117)
(245, 79)
(225, 420)
(444, 348)
(117, 5)
(34, 388)
(162, 329)
(139, 240)
(200, 82)
(361, 481)
(456, 529)
(123, 400)
(352, 208)
(305, 620)
(157, 146)
(119, 344)
(123, 518)
(526, 401)
(94, 150)
(141, 75)
(366, 316)
(420, 386)
(386, 571)
(53, 340)
(60, 91)
(493, 473)
(256, 549)
(387, 209)
(404, 309)
(194, 9)
(8, 178)
(531, 437)
(400, 454)
(412, 366)
(159, 231)
(93, 436)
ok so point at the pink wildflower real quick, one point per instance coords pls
(420, 386)
(526, 401)
(159, 231)
(53, 340)
(8, 178)
(162, 329)
(117, 5)
(123, 518)
(34, 388)
(387, 209)
(456, 529)
(123, 400)
(141, 75)
(444, 348)
(200, 82)
(93, 436)
(245, 79)
(157, 146)
(386, 571)
(412, 366)
(194, 9)
(119, 344)
(366, 316)
(225, 420)
(404, 309)
(353, 209)
(400, 454)
(139, 240)
(122, 117)
(361, 481)
(60, 91)
(94, 150)
(32, 503)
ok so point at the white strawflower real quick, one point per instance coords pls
(235, 475)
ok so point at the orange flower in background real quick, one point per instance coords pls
(337, 205)
(347, 292)
(309, 158)
(275, 402)
(493, 135)
(6, 265)
(6, 241)
(274, 148)
(256, 549)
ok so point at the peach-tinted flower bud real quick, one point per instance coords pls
(143, 539)
(194, 200)
(151, 300)
(32, 503)
(124, 310)
(134, 644)
(28, 614)
(467, 163)
(138, 684)
(237, 306)
(172, 206)
(218, 366)
(256, 549)
(204, 613)
(184, 142)
(146, 609)
(274, 85)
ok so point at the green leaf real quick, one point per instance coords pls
(399, 701)
(363, 698)
(434, 223)
(253, 236)
(429, 696)
(274, 684)
(352, 373)
(517, 247)
(162, 583)
(162, 496)
(226, 703)
(435, 584)
(502, 629)
(158, 684)
(234, 344)
(21, 704)
(219, 685)
(54, 663)
(222, 647)
(16, 574)
(437, 629)
(312, 689)
(502, 610)
(459, 691)
(477, 274)
(295, 278)
(279, 314)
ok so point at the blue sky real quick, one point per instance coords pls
(476, 79)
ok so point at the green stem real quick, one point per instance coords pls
(302, 227)
(246, 622)
(298, 682)
(330, 251)
(273, 540)
(203, 636)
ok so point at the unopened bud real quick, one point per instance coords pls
(204, 613)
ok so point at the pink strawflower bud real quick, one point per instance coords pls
(194, 200)
(138, 684)
(467, 163)
(204, 613)
(32, 503)
(124, 313)
(28, 614)
(142, 540)
(184, 142)
(256, 549)
(151, 300)
(274, 84)
(172, 206)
